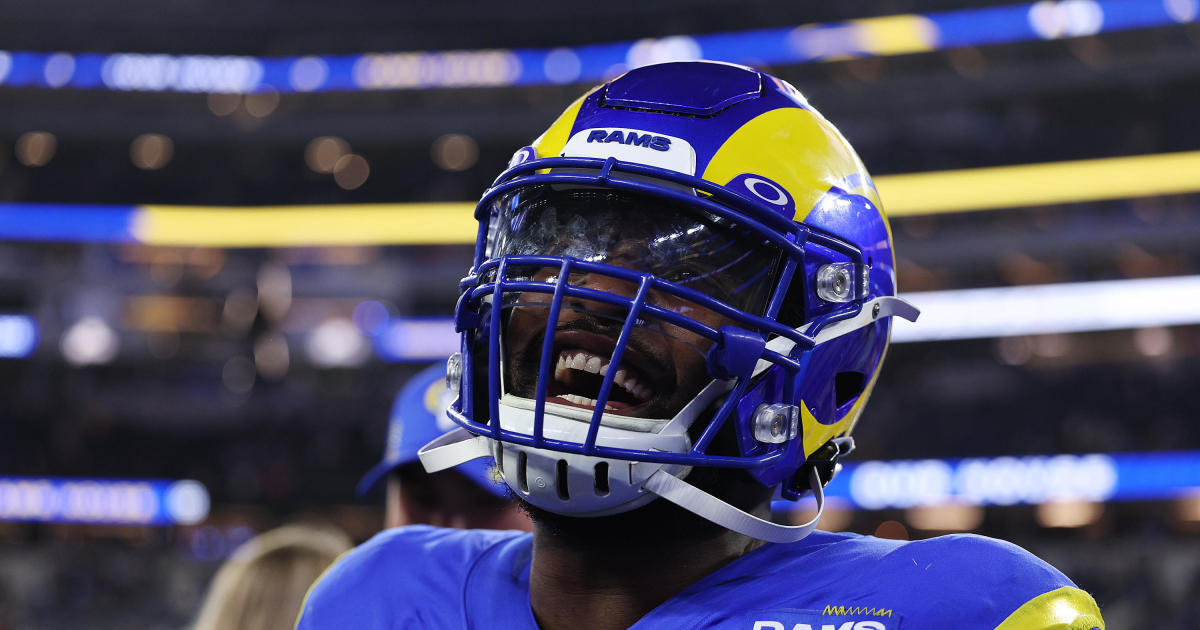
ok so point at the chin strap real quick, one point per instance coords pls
(706, 506)
(453, 448)
(872, 311)
(460, 446)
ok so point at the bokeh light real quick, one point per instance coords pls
(36, 148)
(223, 103)
(262, 104)
(151, 151)
(351, 171)
(322, 153)
(89, 341)
(455, 152)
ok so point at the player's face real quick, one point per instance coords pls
(664, 365)
(662, 368)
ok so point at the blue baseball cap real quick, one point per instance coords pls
(419, 416)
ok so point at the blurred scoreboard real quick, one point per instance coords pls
(103, 501)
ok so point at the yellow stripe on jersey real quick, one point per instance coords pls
(1066, 608)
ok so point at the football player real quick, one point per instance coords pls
(681, 297)
(468, 495)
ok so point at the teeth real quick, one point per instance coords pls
(584, 361)
(588, 362)
(588, 402)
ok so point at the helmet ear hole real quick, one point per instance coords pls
(522, 472)
(847, 386)
(601, 477)
(560, 479)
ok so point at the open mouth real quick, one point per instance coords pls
(579, 374)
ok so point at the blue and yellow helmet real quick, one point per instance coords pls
(690, 268)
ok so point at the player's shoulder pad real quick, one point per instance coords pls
(367, 585)
(1002, 585)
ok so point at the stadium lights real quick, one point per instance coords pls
(453, 223)
(103, 501)
(1068, 514)
(1070, 483)
(808, 43)
(947, 517)
(18, 336)
(1040, 184)
(1052, 308)
(90, 341)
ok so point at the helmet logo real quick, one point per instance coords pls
(658, 143)
(636, 146)
(521, 157)
(761, 187)
(773, 194)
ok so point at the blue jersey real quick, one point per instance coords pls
(425, 577)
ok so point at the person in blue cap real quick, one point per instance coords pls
(466, 496)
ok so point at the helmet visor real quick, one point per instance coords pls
(664, 362)
(674, 242)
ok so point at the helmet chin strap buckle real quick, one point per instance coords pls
(825, 462)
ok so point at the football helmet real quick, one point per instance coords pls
(690, 268)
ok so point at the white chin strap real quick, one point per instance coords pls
(641, 482)
(460, 446)
(706, 506)
(871, 312)
(452, 448)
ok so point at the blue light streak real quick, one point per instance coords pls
(103, 501)
(561, 65)
(991, 481)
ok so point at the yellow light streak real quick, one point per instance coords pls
(453, 224)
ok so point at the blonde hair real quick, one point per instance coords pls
(262, 584)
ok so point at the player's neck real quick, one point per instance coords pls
(616, 580)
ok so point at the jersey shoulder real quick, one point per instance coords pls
(967, 580)
(956, 581)
(404, 577)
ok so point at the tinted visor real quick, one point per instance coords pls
(674, 242)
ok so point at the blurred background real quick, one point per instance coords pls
(183, 364)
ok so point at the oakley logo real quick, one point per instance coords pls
(766, 191)
(774, 195)
(521, 157)
(658, 143)
(848, 625)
